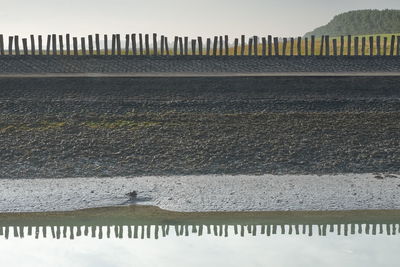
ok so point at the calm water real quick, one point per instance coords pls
(150, 237)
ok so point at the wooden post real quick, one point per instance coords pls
(306, 46)
(384, 45)
(356, 46)
(119, 44)
(186, 41)
(162, 45)
(276, 46)
(334, 47)
(378, 45)
(140, 44)
(113, 45)
(48, 45)
(166, 45)
(243, 45)
(392, 41)
(221, 46)
(321, 46)
(176, 40)
(371, 46)
(90, 44)
(342, 45)
(147, 44)
(363, 42)
(133, 39)
(208, 47)
(193, 47)
(291, 46)
(83, 46)
(215, 45)
(75, 45)
(25, 46)
(312, 45)
(40, 40)
(250, 48)
(235, 48)
(10, 45)
(105, 45)
(226, 45)
(60, 40)
(269, 45)
(284, 46)
(255, 45)
(33, 49)
(67, 39)
(127, 44)
(264, 46)
(1, 45)
(54, 43)
(180, 46)
(398, 46)
(97, 41)
(155, 46)
(200, 41)
(327, 46)
(349, 45)
(16, 41)
(299, 46)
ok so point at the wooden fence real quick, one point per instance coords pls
(142, 44)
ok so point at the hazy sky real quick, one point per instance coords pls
(175, 17)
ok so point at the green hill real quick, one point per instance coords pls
(361, 22)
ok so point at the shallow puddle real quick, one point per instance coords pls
(148, 236)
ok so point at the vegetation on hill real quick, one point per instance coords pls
(361, 22)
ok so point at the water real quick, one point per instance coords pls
(138, 236)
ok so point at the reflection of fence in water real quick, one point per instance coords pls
(156, 231)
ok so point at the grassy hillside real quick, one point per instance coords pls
(361, 22)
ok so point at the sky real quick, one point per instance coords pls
(175, 17)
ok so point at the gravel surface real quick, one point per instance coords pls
(206, 193)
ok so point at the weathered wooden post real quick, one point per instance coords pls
(119, 44)
(349, 45)
(312, 45)
(1, 45)
(176, 40)
(235, 48)
(334, 47)
(342, 45)
(10, 45)
(147, 44)
(140, 44)
(48, 44)
(276, 46)
(392, 41)
(75, 45)
(83, 46)
(242, 45)
(67, 39)
(255, 45)
(226, 45)
(113, 45)
(97, 41)
(155, 46)
(90, 44)
(363, 42)
(356, 46)
(321, 46)
(398, 46)
(299, 46)
(250, 48)
(200, 41)
(40, 44)
(16, 41)
(371, 46)
(33, 49)
(193, 47)
(208, 47)
(162, 45)
(215, 45)
(25, 46)
(133, 39)
(327, 46)
(306, 46)
(264, 46)
(269, 45)
(384, 45)
(54, 43)
(127, 44)
(284, 46)
(60, 40)
(291, 46)
(105, 44)
(221, 46)
(378, 45)
(181, 46)
(186, 41)
(166, 45)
